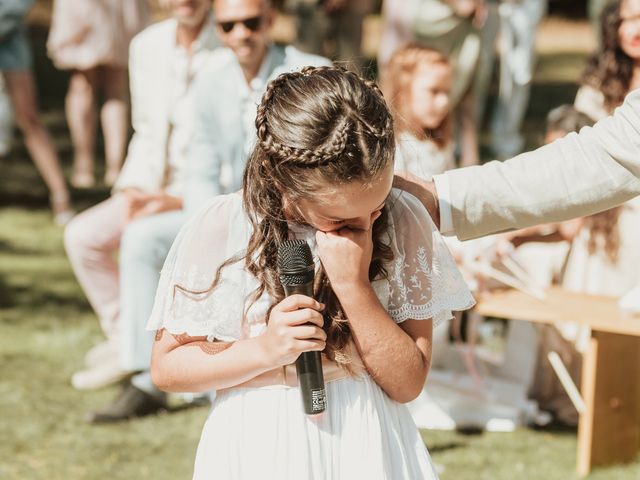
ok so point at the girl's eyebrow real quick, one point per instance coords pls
(334, 219)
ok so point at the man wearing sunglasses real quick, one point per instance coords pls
(228, 92)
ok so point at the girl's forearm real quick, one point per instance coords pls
(200, 366)
(391, 356)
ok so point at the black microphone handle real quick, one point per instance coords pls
(309, 365)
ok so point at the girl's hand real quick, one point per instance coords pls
(346, 254)
(295, 326)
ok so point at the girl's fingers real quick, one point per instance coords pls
(297, 317)
(310, 332)
(298, 302)
(310, 345)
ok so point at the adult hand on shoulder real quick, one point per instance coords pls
(424, 191)
(294, 326)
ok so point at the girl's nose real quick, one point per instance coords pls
(368, 222)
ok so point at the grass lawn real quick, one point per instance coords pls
(46, 326)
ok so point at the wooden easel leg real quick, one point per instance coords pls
(609, 430)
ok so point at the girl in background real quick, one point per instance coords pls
(417, 84)
(321, 171)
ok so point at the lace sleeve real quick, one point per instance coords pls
(424, 281)
(185, 301)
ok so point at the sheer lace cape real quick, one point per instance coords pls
(423, 281)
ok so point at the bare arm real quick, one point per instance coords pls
(182, 363)
(397, 356)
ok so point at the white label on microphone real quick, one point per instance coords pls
(318, 399)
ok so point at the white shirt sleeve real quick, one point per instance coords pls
(444, 201)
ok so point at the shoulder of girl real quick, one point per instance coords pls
(221, 207)
(405, 208)
(400, 200)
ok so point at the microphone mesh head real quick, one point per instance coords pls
(295, 263)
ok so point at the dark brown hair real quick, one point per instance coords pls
(396, 85)
(610, 69)
(318, 127)
(604, 225)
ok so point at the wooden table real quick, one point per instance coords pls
(609, 429)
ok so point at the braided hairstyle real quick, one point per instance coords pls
(317, 127)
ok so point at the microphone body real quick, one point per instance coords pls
(296, 271)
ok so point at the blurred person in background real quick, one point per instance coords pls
(220, 111)
(417, 85)
(518, 24)
(332, 28)
(452, 28)
(614, 69)
(594, 10)
(145, 211)
(228, 91)
(16, 68)
(91, 38)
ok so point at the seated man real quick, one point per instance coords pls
(144, 213)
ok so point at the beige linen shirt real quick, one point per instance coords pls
(580, 174)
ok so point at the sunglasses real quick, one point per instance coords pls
(252, 23)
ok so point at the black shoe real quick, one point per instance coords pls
(130, 403)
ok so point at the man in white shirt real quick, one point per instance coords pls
(145, 211)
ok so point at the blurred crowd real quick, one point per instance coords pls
(188, 86)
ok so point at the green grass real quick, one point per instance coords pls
(46, 326)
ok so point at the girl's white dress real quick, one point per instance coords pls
(262, 432)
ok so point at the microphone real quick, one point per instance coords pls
(296, 271)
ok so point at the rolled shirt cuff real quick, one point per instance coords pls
(444, 201)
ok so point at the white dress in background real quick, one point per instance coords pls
(262, 432)
(590, 101)
(422, 158)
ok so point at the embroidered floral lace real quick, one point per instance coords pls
(423, 280)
